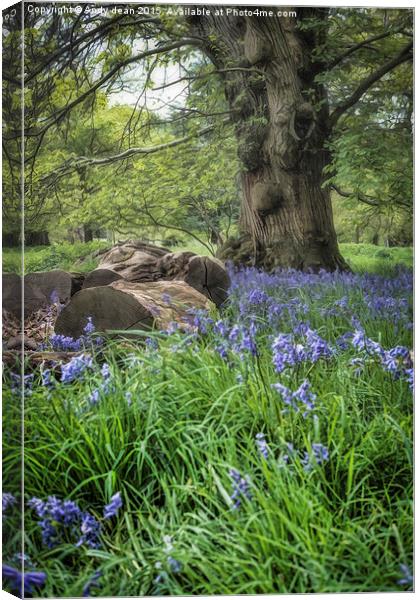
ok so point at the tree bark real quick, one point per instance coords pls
(281, 117)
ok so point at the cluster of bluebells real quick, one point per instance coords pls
(63, 521)
(170, 563)
(7, 501)
(274, 294)
(302, 398)
(65, 343)
(304, 344)
(75, 369)
(397, 361)
(318, 455)
(23, 583)
(241, 488)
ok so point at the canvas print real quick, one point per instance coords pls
(207, 299)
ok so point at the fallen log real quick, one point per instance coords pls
(100, 277)
(140, 262)
(41, 288)
(12, 294)
(56, 284)
(124, 305)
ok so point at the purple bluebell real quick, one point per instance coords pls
(7, 501)
(63, 343)
(22, 384)
(89, 328)
(94, 397)
(62, 520)
(90, 529)
(111, 509)
(262, 445)
(407, 578)
(92, 583)
(46, 378)
(167, 299)
(151, 343)
(23, 584)
(76, 368)
(300, 398)
(319, 454)
(409, 376)
(240, 488)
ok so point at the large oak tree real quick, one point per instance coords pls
(277, 73)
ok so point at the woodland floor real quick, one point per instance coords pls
(271, 452)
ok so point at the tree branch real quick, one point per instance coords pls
(74, 163)
(204, 75)
(56, 117)
(356, 47)
(404, 55)
(361, 197)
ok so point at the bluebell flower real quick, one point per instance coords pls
(318, 455)
(151, 343)
(90, 529)
(89, 328)
(111, 509)
(46, 378)
(262, 445)
(94, 397)
(257, 297)
(62, 520)
(408, 577)
(240, 488)
(23, 584)
(301, 398)
(409, 374)
(7, 501)
(92, 583)
(76, 368)
(174, 565)
(63, 343)
(20, 383)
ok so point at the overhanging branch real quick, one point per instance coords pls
(82, 161)
(403, 56)
(362, 44)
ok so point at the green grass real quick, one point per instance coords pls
(346, 526)
(376, 259)
(67, 256)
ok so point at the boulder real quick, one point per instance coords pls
(124, 305)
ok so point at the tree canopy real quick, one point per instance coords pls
(128, 125)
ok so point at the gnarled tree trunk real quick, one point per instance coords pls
(281, 120)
